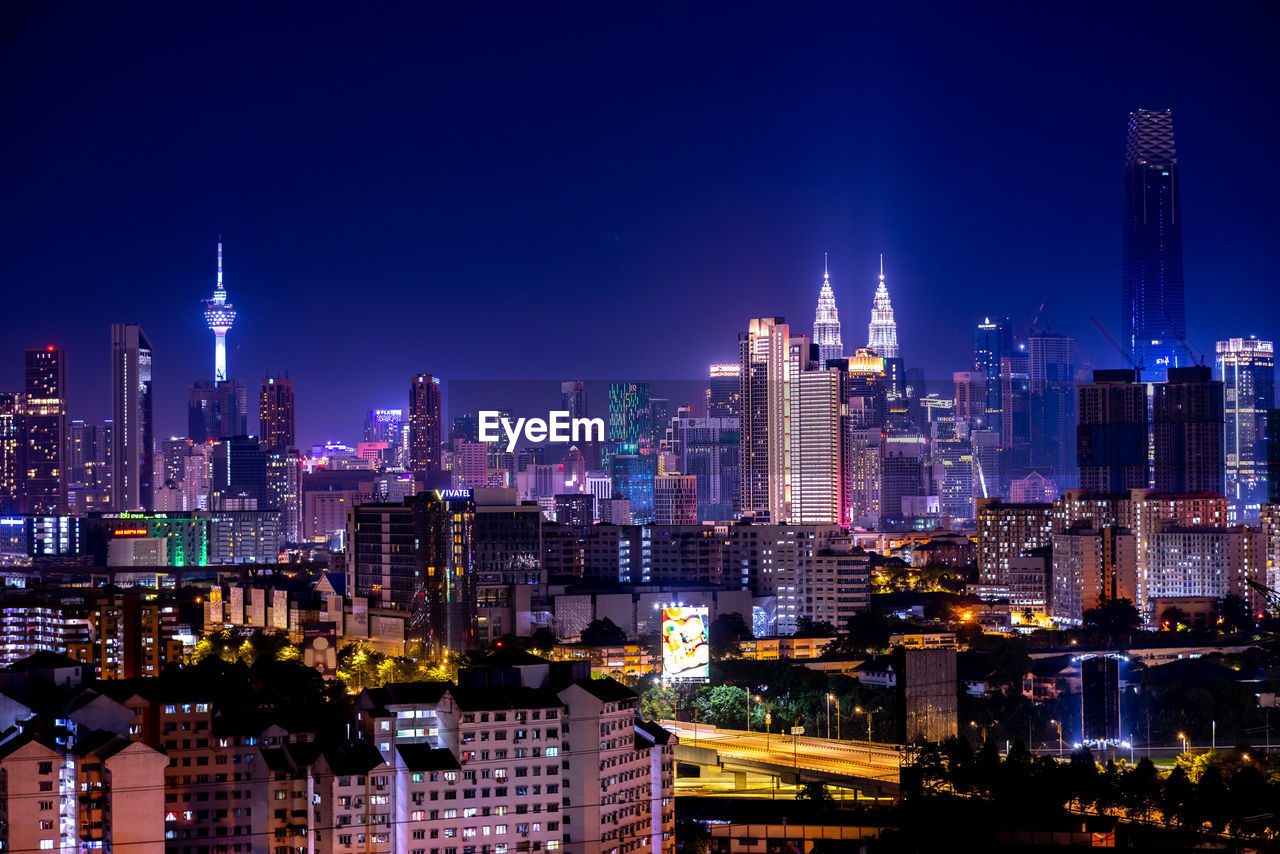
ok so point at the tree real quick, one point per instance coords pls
(1234, 615)
(1173, 619)
(815, 792)
(603, 633)
(728, 630)
(723, 706)
(807, 627)
(543, 639)
(1113, 617)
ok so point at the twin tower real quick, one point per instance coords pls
(882, 332)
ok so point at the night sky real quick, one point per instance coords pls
(603, 190)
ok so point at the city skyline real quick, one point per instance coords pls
(302, 255)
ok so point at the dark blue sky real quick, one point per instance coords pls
(605, 190)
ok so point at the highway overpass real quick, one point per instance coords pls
(871, 768)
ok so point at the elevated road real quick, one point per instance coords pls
(799, 759)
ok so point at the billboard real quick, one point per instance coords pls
(686, 645)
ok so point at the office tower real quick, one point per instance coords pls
(826, 323)
(1051, 370)
(10, 451)
(724, 398)
(764, 381)
(817, 496)
(971, 396)
(573, 398)
(383, 425)
(866, 389)
(863, 464)
(173, 454)
(90, 455)
(284, 491)
(1246, 367)
(658, 419)
(882, 333)
(217, 410)
(1271, 453)
(132, 434)
(675, 499)
(1111, 436)
(952, 460)
(424, 424)
(709, 450)
(218, 316)
(1187, 423)
(1153, 309)
(992, 342)
(1006, 531)
(629, 417)
(44, 432)
(275, 414)
(434, 578)
(1015, 413)
(902, 475)
(632, 476)
(238, 474)
(988, 478)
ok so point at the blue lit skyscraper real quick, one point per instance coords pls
(1247, 369)
(1153, 311)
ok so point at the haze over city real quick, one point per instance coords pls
(588, 192)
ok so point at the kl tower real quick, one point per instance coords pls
(219, 315)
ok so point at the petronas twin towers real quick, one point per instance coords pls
(882, 332)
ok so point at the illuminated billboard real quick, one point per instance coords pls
(686, 648)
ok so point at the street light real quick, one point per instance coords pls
(1058, 724)
(858, 710)
(1183, 736)
(831, 697)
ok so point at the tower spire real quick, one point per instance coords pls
(218, 316)
(882, 333)
(826, 321)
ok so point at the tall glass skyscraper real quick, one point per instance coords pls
(1153, 311)
(1247, 369)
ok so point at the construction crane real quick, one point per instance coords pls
(1119, 349)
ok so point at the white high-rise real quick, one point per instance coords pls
(826, 323)
(882, 333)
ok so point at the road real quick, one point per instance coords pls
(845, 758)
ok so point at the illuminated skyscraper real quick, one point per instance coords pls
(992, 342)
(217, 410)
(132, 433)
(275, 414)
(629, 417)
(219, 315)
(1052, 369)
(44, 432)
(1153, 308)
(724, 398)
(425, 429)
(764, 380)
(1247, 369)
(817, 496)
(10, 451)
(826, 322)
(882, 333)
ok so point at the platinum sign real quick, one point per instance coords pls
(559, 427)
